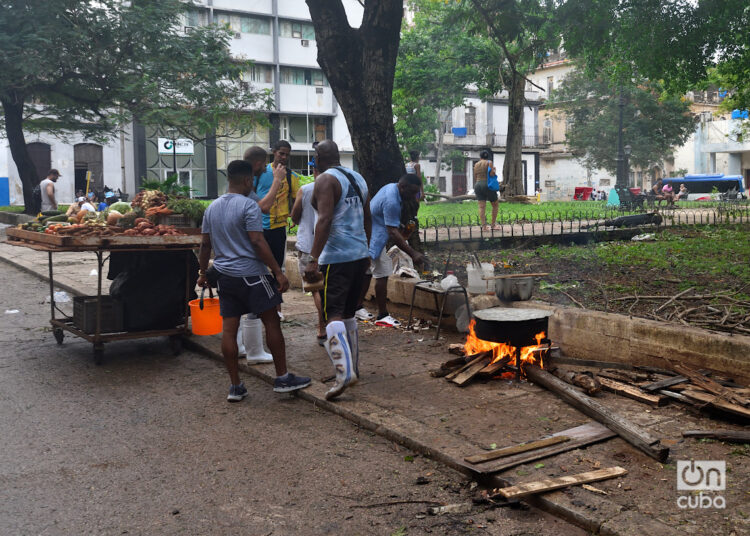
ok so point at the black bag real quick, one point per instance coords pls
(353, 182)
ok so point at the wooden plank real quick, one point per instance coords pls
(551, 484)
(495, 366)
(731, 436)
(465, 377)
(709, 385)
(596, 410)
(516, 449)
(623, 389)
(580, 436)
(717, 403)
(662, 384)
(36, 237)
(593, 363)
(588, 383)
(470, 362)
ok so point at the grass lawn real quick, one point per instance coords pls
(12, 208)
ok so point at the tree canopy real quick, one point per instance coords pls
(71, 66)
(652, 125)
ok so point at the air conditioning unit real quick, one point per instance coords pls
(319, 90)
(245, 85)
(189, 29)
(237, 35)
(305, 42)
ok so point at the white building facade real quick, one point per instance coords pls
(278, 36)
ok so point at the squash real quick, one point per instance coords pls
(113, 217)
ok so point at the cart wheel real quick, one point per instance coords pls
(59, 335)
(98, 354)
(175, 343)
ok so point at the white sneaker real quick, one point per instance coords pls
(259, 359)
(363, 314)
(281, 315)
(388, 321)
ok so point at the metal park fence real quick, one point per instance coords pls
(466, 227)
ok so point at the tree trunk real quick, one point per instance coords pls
(439, 154)
(512, 167)
(360, 65)
(13, 113)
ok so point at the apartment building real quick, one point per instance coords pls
(278, 36)
(479, 125)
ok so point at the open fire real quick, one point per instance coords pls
(506, 354)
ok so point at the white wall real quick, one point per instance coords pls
(304, 99)
(256, 47)
(291, 52)
(256, 6)
(568, 172)
(499, 159)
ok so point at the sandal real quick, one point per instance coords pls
(496, 227)
(485, 227)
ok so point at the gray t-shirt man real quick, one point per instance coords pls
(227, 220)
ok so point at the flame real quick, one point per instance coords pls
(475, 345)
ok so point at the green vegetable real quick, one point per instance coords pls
(58, 218)
(192, 208)
(121, 207)
(51, 213)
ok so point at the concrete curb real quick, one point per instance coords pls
(601, 518)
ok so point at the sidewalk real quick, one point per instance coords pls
(398, 399)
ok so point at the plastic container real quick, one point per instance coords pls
(449, 281)
(515, 288)
(206, 321)
(477, 285)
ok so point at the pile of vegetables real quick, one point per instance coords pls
(144, 227)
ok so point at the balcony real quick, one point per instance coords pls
(294, 9)
(300, 52)
(258, 6)
(315, 100)
(501, 140)
(252, 47)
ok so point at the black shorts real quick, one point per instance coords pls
(276, 239)
(342, 286)
(483, 193)
(241, 295)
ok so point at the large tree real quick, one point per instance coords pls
(91, 66)
(652, 123)
(360, 64)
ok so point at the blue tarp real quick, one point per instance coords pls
(459, 132)
(739, 114)
(4, 191)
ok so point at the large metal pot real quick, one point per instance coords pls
(516, 327)
(514, 288)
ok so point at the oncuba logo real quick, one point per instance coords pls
(701, 476)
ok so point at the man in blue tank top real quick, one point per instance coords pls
(340, 253)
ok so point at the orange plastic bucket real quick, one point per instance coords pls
(205, 315)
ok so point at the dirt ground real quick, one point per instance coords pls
(147, 444)
(578, 278)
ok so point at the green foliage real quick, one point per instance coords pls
(431, 189)
(192, 208)
(652, 123)
(169, 186)
(121, 206)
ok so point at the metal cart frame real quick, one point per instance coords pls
(65, 323)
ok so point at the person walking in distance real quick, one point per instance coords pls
(385, 208)
(482, 190)
(339, 255)
(233, 228)
(47, 189)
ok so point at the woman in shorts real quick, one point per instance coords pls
(482, 192)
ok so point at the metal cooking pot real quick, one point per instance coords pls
(514, 288)
(516, 327)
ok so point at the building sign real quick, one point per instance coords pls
(184, 146)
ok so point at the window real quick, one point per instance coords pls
(194, 17)
(441, 184)
(547, 131)
(234, 148)
(297, 30)
(448, 124)
(603, 182)
(303, 77)
(550, 85)
(259, 73)
(244, 23)
(295, 129)
(549, 184)
(471, 121)
(568, 125)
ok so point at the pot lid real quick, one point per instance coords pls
(506, 314)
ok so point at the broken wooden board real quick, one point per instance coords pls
(623, 389)
(470, 360)
(709, 385)
(587, 382)
(516, 449)
(630, 432)
(730, 436)
(717, 402)
(495, 366)
(550, 484)
(580, 436)
(663, 384)
(467, 374)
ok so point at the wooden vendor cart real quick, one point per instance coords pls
(101, 247)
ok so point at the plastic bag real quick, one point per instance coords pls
(449, 281)
(402, 263)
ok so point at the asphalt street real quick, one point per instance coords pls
(147, 444)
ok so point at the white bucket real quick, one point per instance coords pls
(477, 285)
